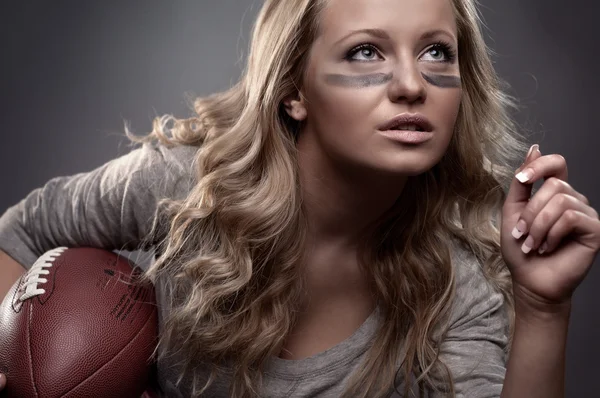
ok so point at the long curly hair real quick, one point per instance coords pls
(232, 250)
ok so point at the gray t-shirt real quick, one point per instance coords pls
(113, 207)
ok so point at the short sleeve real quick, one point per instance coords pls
(112, 207)
(474, 348)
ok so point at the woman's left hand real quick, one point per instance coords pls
(557, 219)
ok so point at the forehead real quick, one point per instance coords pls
(400, 18)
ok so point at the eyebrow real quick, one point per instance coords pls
(382, 34)
(432, 33)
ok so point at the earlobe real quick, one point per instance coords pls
(296, 108)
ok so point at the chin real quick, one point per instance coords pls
(399, 172)
(409, 169)
(412, 172)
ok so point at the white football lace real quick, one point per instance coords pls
(33, 277)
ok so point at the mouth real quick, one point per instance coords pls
(407, 122)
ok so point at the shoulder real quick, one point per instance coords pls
(475, 296)
(468, 269)
(165, 171)
(181, 158)
(156, 157)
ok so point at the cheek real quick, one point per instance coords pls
(448, 106)
(443, 109)
(344, 113)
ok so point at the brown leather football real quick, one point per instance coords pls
(78, 325)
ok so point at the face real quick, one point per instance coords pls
(372, 61)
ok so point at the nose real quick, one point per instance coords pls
(407, 85)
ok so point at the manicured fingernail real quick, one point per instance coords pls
(533, 147)
(525, 175)
(519, 229)
(543, 248)
(527, 245)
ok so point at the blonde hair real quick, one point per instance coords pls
(233, 247)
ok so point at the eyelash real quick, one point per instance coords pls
(447, 48)
(440, 45)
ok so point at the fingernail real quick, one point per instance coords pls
(525, 175)
(519, 229)
(543, 248)
(527, 245)
(529, 153)
(533, 147)
(2, 380)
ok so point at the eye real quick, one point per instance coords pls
(362, 53)
(441, 52)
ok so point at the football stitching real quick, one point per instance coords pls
(17, 304)
(33, 279)
(29, 351)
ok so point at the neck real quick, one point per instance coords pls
(342, 202)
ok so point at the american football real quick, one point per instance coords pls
(77, 324)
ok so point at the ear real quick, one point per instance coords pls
(295, 106)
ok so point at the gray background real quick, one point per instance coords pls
(72, 72)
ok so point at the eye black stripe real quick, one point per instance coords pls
(443, 81)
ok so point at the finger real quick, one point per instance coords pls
(543, 167)
(551, 187)
(547, 166)
(519, 192)
(2, 381)
(549, 215)
(553, 165)
(573, 221)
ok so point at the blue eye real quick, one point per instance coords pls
(366, 51)
(444, 50)
(440, 52)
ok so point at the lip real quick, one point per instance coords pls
(406, 118)
(408, 136)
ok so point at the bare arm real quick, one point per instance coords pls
(536, 365)
(11, 271)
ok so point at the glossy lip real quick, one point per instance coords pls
(407, 136)
(406, 118)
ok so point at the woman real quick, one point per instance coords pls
(342, 229)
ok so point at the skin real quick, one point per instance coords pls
(377, 79)
(544, 278)
(351, 175)
(443, 81)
